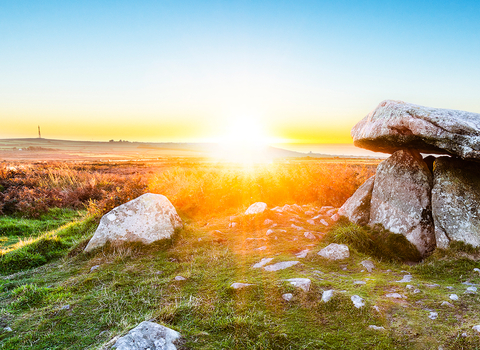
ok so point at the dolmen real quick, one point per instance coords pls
(431, 200)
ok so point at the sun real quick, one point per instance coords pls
(243, 141)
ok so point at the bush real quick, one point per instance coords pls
(377, 241)
(28, 295)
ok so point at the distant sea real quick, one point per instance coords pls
(336, 149)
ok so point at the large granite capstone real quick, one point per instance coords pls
(396, 125)
(148, 218)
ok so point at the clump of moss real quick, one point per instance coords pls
(377, 241)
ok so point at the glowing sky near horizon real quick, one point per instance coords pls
(183, 70)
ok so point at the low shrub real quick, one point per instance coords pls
(376, 241)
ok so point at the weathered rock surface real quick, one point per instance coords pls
(396, 125)
(455, 201)
(148, 335)
(357, 207)
(302, 283)
(335, 251)
(148, 218)
(327, 295)
(369, 265)
(280, 265)
(357, 301)
(401, 199)
(238, 285)
(256, 208)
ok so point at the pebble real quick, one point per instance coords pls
(65, 307)
(433, 315)
(359, 282)
(180, 278)
(446, 303)
(435, 285)
(368, 265)
(309, 235)
(261, 248)
(311, 222)
(232, 224)
(453, 297)
(327, 295)
(358, 301)
(416, 291)
(302, 254)
(238, 285)
(476, 328)
(471, 290)
(449, 287)
(476, 269)
(302, 283)
(262, 262)
(406, 278)
(269, 232)
(376, 328)
(268, 222)
(395, 296)
(409, 286)
(280, 266)
(287, 296)
(324, 222)
(297, 227)
(93, 268)
(8, 329)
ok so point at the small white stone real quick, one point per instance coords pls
(269, 232)
(368, 265)
(453, 297)
(287, 296)
(335, 252)
(405, 279)
(309, 235)
(335, 217)
(261, 248)
(376, 328)
(256, 208)
(471, 290)
(464, 335)
(377, 309)
(324, 222)
(416, 291)
(232, 224)
(180, 278)
(302, 254)
(359, 282)
(409, 286)
(8, 329)
(449, 287)
(395, 296)
(262, 262)
(297, 227)
(476, 328)
(327, 295)
(433, 315)
(65, 307)
(238, 285)
(476, 269)
(302, 283)
(280, 266)
(446, 303)
(268, 222)
(358, 301)
(311, 222)
(93, 268)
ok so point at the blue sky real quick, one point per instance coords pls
(182, 70)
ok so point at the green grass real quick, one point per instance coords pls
(12, 229)
(134, 283)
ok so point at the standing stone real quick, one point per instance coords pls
(146, 219)
(396, 125)
(455, 201)
(148, 335)
(357, 207)
(401, 199)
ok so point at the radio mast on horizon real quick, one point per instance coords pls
(39, 134)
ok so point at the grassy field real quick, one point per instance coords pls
(55, 296)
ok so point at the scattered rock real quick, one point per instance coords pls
(395, 296)
(302, 254)
(416, 291)
(287, 296)
(180, 278)
(269, 232)
(357, 207)
(238, 285)
(476, 328)
(335, 251)
(309, 235)
(476, 270)
(409, 286)
(335, 217)
(256, 208)
(65, 307)
(453, 297)
(297, 227)
(324, 222)
(232, 225)
(148, 335)
(326, 208)
(94, 267)
(268, 222)
(405, 279)
(311, 222)
(359, 282)
(395, 125)
(302, 283)
(471, 290)
(262, 262)
(280, 266)
(358, 301)
(376, 327)
(327, 295)
(261, 248)
(368, 265)
(435, 285)
(310, 213)
(433, 315)
(8, 329)
(446, 303)
(148, 218)
(401, 199)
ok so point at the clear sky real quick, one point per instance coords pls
(183, 70)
